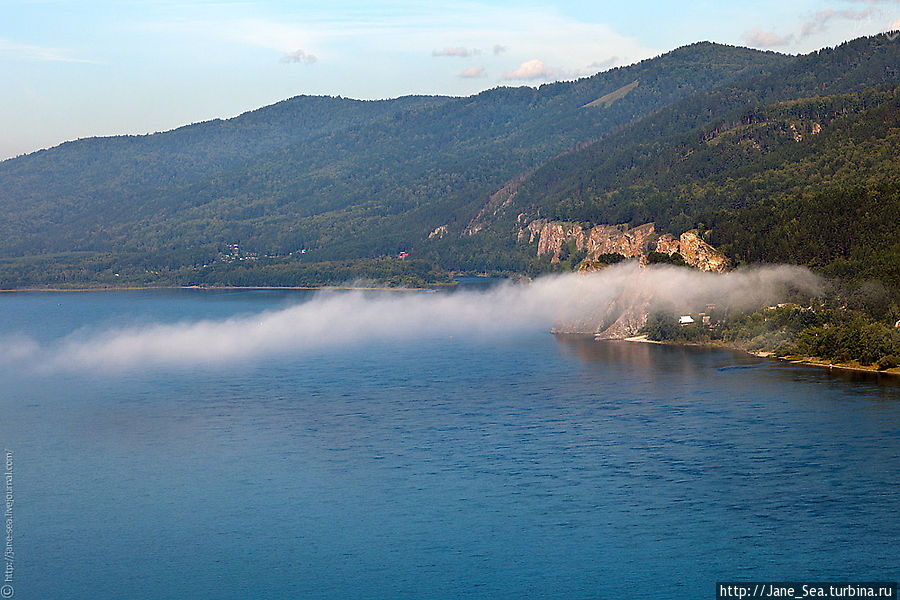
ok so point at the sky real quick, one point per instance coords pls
(75, 69)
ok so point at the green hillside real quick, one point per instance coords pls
(773, 169)
(341, 179)
(776, 158)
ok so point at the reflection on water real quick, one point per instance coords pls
(655, 359)
(648, 355)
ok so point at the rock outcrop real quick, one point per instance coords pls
(555, 235)
(599, 240)
(635, 242)
(530, 231)
(438, 232)
(699, 254)
(668, 244)
(608, 239)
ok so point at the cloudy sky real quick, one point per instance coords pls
(72, 69)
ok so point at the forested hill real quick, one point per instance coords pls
(796, 166)
(643, 152)
(341, 178)
(736, 142)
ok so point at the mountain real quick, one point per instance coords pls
(342, 179)
(795, 166)
(736, 142)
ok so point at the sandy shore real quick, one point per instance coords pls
(643, 339)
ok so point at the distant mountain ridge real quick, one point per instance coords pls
(316, 179)
(312, 156)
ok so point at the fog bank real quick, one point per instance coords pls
(332, 318)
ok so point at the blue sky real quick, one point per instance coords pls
(81, 69)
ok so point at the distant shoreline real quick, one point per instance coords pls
(643, 339)
(807, 361)
(225, 287)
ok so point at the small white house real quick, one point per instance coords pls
(685, 320)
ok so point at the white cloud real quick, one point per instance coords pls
(602, 65)
(298, 56)
(472, 73)
(38, 53)
(361, 46)
(532, 69)
(818, 23)
(285, 38)
(825, 27)
(461, 52)
(759, 38)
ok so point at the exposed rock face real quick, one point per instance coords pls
(532, 230)
(602, 239)
(607, 239)
(667, 243)
(630, 243)
(699, 254)
(555, 234)
(632, 316)
(438, 232)
(694, 250)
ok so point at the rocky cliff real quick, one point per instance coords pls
(626, 313)
(635, 242)
(555, 234)
(630, 243)
(698, 253)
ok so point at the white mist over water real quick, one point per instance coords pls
(332, 319)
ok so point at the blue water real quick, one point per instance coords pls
(511, 466)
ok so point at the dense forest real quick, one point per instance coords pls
(328, 179)
(773, 158)
(811, 182)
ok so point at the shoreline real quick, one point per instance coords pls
(641, 339)
(226, 287)
(810, 362)
(805, 361)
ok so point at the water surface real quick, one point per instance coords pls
(435, 466)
